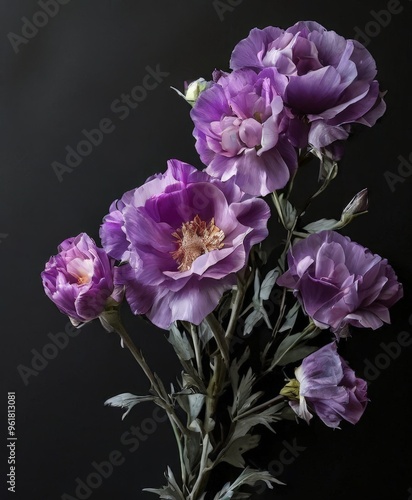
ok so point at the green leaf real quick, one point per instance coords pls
(254, 317)
(290, 318)
(169, 492)
(191, 404)
(235, 369)
(234, 451)
(243, 395)
(205, 332)
(127, 400)
(249, 477)
(191, 451)
(292, 342)
(322, 225)
(289, 342)
(296, 354)
(265, 417)
(268, 284)
(180, 343)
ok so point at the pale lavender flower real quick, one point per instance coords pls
(240, 130)
(340, 282)
(79, 279)
(331, 80)
(184, 236)
(329, 388)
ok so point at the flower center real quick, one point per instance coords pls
(82, 270)
(196, 238)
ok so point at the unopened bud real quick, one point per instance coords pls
(358, 204)
(193, 90)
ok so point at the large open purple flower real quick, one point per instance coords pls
(329, 388)
(340, 282)
(240, 129)
(184, 236)
(331, 80)
(79, 279)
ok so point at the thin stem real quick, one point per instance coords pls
(289, 239)
(112, 317)
(282, 308)
(275, 330)
(311, 330)
(198, 353)
(180, 448)
(138, 356)
(204, 472)
(219, 336)
(237, 306)
(263, 406)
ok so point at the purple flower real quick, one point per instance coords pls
(79, 279)
(184, 236)
(331, 80)
(340, 282)
(329, 388)
(240, 130)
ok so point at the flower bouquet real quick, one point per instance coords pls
(253, 298)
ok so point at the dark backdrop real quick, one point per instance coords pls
(65, 78)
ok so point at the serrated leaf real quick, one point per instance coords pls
(243, 398)
(128, 401)
(254, 317)
(251, 476)
(261, 293)
(166, 492)
(248, 477)
(291, 317)
(266, 418)
(233, 453)
(235, 369)
(205, 333)
(180, 343)
(268, 284)
(169, 492)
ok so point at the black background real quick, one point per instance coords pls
(64, 80)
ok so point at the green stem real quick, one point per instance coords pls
(263, 406)
(311, 330)
(275, 330)
(204, 472)
(198, 353)
(112, 317)
(237, 305)
(219, 336)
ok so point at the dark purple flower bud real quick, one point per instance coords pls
(340, 282)
(358, 205)
(79, 279)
